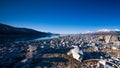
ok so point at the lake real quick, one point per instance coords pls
(9, 39)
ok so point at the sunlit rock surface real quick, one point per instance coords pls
(73, 51)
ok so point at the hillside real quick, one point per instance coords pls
(6, 30)
(104, 32)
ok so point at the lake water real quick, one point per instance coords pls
(8, 39)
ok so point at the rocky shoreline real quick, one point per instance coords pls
(52, 53)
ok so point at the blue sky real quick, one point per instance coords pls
(61, 16)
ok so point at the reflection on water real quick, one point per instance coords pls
(9, 39)
(45, 38)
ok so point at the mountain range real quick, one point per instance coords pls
(7, 30)
(105, 32)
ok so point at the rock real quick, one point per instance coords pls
(76, 53)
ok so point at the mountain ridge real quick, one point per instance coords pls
(105, 32)
(11, 30)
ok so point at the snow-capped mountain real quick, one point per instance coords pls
(108, 31)
(10, 30)
(105, 31)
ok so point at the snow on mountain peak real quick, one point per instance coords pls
(104, 30)
(107, 30)
(101, 30)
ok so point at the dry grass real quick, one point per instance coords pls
(115, 53)
(70, 63)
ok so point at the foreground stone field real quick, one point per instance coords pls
(52, 53)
